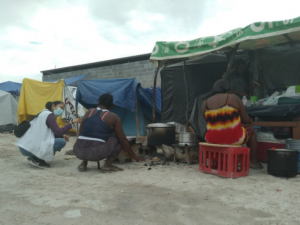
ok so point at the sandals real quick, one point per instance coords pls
(117, 168)
(111, 169)
(82, 167)
(70, 152)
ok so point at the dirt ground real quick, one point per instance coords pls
(171, 194)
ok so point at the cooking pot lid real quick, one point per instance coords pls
(159, 125)
(292, 141)
(130, 137)
(187, 133)
(282, 150)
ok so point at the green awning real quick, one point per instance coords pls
(255, 36)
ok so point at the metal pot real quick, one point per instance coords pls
(293, 144)
(160, 133)
(282, 162)
(187, 139)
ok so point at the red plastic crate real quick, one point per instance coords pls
(227, 161)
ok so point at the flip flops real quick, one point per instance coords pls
(111, 169)
(82, 167)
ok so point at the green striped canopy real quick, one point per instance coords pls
(255, 36)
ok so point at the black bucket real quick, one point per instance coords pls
(282, 162)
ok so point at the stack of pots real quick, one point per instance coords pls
(293, 144)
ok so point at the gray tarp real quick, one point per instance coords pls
(9, 111)
(197, 120)
(281, 67)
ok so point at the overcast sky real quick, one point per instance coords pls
(38, 35)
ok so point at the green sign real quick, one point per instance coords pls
(255, 36)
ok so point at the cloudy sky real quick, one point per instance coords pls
(37, 35)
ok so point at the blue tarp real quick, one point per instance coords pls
(124, 92)
(72, 80)
(149, 92)
(11, 87)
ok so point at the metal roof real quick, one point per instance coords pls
(109, 62)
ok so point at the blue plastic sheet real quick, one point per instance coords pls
(11, 87)
(125, 92)
(72, 80)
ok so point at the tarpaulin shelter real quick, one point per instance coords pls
(254, 36)
(251, 38)
(35, 94)
(132, 104)
(9, 111)
(72, 80)
(11, 87)
(149, 92)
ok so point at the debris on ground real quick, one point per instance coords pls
(155, 159)
(70, 152)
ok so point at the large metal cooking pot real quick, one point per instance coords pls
(282, 162)
(187, 139)
(293, 144)
(160, 133)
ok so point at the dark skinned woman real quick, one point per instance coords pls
(227, 121)
(96, 141)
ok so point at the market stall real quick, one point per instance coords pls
(270, 51)
(257, 40)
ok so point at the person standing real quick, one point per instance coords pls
(238, 85)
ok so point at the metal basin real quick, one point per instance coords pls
(187, 139)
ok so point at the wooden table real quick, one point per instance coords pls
(294, 124)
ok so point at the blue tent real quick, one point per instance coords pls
(125, 93)
(149, 92)
(72, 80)
(11, 87)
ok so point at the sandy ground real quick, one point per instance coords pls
(174, 194)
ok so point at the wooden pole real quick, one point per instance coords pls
(137, 116)
(187, 96)
(230, 62)
(260, 74)
(153, 94)
(77, 131)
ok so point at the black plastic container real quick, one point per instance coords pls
(282, 162)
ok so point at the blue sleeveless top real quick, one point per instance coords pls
(95, 127)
